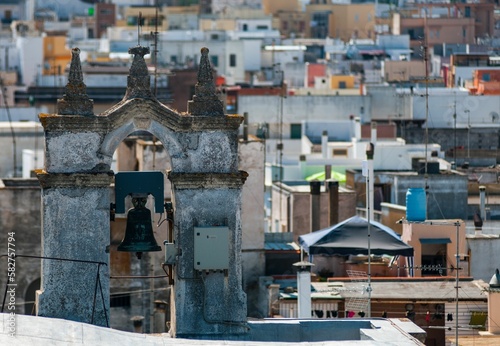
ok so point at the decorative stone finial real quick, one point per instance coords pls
(138, 80)
(205, 101)
(75, 100)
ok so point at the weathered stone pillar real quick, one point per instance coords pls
(75, 209)
(207, 302)
(72, 288)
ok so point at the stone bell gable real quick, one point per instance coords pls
(202, 147)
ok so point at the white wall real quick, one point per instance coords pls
(29, 135)
(465, 73)
(28, 61)
(479, 110)
(252, 59)
(252, 24)
(221, 49)
(265, 109)
(9, 55)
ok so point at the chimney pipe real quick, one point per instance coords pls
(303, 289)
(478, 224)
(357, 128)
(482, 202)
(137, 321)
(315, 187)
(302, 164)
(373, 132)
(370, 151)
(245, 126)
(328, 174)
(324, 144)
(333, 202)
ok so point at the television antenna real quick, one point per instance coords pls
(358, 302)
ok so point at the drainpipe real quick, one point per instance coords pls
(315, 186)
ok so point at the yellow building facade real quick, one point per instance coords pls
(342, 82)
(275, 6)
(56, 55)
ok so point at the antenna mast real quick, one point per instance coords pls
(155, 50)
(139, 29)
(426, 64)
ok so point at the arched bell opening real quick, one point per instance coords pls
(139, 286)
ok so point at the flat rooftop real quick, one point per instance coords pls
(40, 331)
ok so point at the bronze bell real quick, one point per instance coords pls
(139, 235)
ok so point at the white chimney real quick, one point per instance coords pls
(324, 144)
(304, 289)
(373, 132)
(302, 164)
(357, 128)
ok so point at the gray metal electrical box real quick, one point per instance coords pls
(170, 253)
(211, 248)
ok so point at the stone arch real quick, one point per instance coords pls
(165, 136)
(206, 189)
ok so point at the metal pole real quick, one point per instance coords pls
(455, 129)
(456, 284)
(468, 135)
(151, 301)
(370, 150)
(369, 288)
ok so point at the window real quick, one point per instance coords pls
(134, 20)
(467, 12)
(232, 60)
(295, 131)
(122, 300)
(434, 256)
(215, 60)
(262, 27)
(339, 152)
(319, 24)
(106, 11)
(245, 27)
(342, 85)
(486, 77)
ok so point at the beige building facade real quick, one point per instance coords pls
(344, 21)
(435, 247)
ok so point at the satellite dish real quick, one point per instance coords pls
(494, 117)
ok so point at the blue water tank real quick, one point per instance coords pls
(416, 204)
